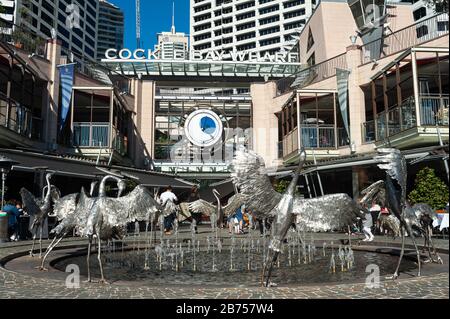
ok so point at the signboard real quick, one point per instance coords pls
(197, 56)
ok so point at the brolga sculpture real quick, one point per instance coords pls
(393, 189)
(105, 217)
(330, 212)
(39, 209)
(65, 210)
(208, 209)
(416, 220)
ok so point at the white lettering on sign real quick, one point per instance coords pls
(194, 55)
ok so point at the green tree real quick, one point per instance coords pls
(429, 189)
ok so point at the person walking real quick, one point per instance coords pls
(367, 226)
(375, 211)
(168, 200)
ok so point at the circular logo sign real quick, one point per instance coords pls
(203, 128)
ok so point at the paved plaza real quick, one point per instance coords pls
(16, 284)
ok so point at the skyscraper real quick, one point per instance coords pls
(172, 45)
(110, 28)
(74, 22)
(264, 26)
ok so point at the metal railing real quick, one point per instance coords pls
(407, 37)
(19, 118)
(433, 112)
(312, 74)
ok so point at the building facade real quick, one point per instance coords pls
(172, 45)
(256, 25)
(362, 82)
(111, 26)
(74, 23)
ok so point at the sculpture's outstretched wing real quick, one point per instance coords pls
(65, 206)
(203, 207)
(234, 203)
(250, 176)
(394, 163)
(327, 213)
(139, 205)
(375, 192)
(29, 202)
(83, 211)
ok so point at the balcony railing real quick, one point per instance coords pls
(312, 74)
(314, 137)
(433, 112)
(19, 119)
(96, 135)
(402, 39)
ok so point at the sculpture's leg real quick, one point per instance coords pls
(88, 257)
(435, 253)
(99, 256)
(402, 233)
(40, 240)
(411, 234)
(48, 250)
(272, 258)
(34, 241)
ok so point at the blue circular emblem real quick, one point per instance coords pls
(208, 125)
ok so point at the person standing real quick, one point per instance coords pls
(367, 226)
(375, 211)
(168, 200)
(13, 219)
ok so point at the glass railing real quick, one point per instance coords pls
(433, 112)
(318, 137)
(91, 135)
(405, 38)
(368, 131)
(96, 135)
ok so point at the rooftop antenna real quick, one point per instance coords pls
(173, 18)
(138, 23)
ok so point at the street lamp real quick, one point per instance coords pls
(5, 167)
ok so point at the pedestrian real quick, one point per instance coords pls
(168, 200)
(375, 211)
(13, 219)
(367, 225)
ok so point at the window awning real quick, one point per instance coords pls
(64, 166)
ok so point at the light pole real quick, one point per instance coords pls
(5, 167)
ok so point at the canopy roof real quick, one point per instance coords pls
(202, 68)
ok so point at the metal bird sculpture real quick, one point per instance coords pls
(420, 217)
(208, 209)
(330, 212)
(39, 209)
(394, 163)
(106, 217)
(65, 210)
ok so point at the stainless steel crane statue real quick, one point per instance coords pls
(219, 211)
(65, 210)
(330, 212)
(105, 217)
(39, 209)
(392, 192)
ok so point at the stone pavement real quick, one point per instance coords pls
(17, 285)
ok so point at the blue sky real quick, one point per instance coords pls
(156, 16)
